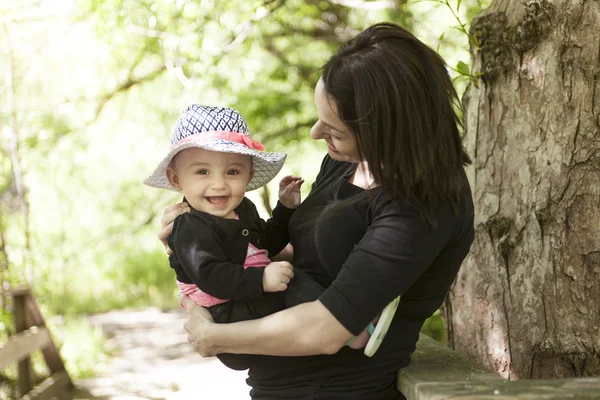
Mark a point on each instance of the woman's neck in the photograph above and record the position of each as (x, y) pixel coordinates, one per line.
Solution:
(362, 177)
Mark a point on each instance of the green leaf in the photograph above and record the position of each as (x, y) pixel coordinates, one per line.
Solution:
(473, 39)
(463, 68)
(458, 6)
(440, 39)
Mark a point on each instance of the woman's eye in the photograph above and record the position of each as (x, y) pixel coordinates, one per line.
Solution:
(335, 134)
(202, 172)
(233, 172)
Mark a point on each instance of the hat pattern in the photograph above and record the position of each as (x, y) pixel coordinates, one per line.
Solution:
(209, 128)
(197, 119)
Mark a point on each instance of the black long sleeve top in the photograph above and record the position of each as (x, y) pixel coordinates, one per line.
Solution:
(210, 251)
(366, 249)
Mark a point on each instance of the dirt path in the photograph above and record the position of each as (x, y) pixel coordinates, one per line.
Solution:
(154, 361)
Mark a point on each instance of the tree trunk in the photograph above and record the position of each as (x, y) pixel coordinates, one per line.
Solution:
(527, 299)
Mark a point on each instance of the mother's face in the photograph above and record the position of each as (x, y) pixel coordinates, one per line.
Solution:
(341, 143)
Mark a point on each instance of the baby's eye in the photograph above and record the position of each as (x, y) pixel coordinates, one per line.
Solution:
(202, 172)
(233, 172)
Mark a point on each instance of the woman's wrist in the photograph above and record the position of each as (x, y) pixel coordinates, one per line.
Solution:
(212, 338)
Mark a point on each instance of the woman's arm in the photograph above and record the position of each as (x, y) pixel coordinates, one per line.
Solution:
(306, 329)
(397, 247)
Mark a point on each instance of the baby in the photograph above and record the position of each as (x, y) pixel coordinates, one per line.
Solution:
(221, 248)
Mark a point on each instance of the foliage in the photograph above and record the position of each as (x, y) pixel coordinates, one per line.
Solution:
(83, 346)
(434, 328)
(91, 93)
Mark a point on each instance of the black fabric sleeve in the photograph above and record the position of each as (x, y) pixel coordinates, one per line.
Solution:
(273, 233)
(397, 248)
(203, 259)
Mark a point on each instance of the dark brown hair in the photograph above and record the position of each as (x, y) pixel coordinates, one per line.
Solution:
(395, 95)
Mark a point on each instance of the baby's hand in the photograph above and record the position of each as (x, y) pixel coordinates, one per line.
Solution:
(289, 191)
(277, 275)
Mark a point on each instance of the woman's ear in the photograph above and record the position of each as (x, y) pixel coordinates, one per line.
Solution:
(173, 179)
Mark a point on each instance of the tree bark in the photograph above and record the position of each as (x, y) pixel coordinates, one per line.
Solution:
(527, 299)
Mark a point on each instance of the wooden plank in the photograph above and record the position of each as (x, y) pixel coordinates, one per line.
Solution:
(50, 387)
(21, 345)
(24, 369)
(19, 290)
(434, 362)
(50, 352)
(547, 389)
(440, 373)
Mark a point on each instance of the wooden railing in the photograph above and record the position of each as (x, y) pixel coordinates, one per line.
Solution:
(440, 373)
(31, 335)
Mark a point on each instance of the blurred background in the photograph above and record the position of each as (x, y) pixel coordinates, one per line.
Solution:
(89, 93)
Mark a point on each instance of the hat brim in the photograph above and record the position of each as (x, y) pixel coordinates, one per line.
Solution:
(266, 165)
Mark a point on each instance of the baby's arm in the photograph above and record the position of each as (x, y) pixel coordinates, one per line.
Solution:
(273, 233)
(202, 258)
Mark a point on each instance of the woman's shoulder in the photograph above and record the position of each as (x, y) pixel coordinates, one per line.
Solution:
(384, 206)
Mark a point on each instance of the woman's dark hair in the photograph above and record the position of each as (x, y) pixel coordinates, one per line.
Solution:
(395, 95)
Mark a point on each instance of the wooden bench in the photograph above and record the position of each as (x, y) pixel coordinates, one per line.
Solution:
(31, 335)
(440, 373)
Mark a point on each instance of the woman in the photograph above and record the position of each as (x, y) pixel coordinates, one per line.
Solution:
(390, 213)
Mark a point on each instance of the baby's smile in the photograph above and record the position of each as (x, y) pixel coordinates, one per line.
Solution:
(218, 201)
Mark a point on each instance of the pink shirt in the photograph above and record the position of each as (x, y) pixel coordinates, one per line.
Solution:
(254, 258)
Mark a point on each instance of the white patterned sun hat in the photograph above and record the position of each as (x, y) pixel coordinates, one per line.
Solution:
(217, 129)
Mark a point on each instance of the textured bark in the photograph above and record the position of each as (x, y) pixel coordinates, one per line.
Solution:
(527, 299)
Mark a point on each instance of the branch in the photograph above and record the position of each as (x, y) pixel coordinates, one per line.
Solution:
(306, 72)
(367, 5)
(245, 27)
(285, 132)
(153, 33)
(3, 270)
(97, 245)
(13, 150)
(322, 31)
(111, 240)
(265, 195)
(128, 84)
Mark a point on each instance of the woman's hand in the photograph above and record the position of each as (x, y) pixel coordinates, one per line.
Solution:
(197, 325)
(166, 222)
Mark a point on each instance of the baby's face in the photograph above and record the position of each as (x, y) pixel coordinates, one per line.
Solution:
(213, 182)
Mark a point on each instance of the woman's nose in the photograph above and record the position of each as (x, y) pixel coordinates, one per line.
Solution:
(316, 132)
